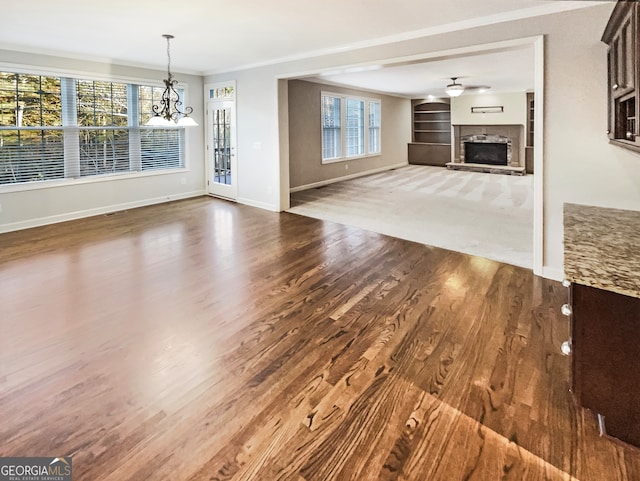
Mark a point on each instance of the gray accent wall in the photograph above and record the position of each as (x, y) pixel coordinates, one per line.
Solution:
(305, 136)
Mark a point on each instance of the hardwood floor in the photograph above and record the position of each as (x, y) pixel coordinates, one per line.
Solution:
(204, 340)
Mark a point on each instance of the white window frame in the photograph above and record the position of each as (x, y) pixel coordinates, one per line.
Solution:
(81, 75)
(343, 127)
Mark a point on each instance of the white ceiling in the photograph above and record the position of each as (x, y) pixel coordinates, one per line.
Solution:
(502, 71)
(222, 35)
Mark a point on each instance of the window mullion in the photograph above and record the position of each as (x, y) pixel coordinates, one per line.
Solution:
(70, 126)
(133, 121)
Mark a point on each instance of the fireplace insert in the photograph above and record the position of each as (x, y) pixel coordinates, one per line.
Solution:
(485, 153)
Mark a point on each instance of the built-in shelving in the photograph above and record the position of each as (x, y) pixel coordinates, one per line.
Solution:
(431, 133)
(528, 150)
(530, 117)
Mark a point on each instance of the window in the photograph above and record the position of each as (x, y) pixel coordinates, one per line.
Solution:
(159, 148)
(228, 92)
(331, 137)
(102, 119)
(355, 127)
(361, 133)
(28, 150)
(54, 128)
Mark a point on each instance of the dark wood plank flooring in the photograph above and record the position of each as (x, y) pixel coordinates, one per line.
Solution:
(204, 340)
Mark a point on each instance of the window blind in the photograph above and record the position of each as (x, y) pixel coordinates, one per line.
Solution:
(161, 149)
(331, 127)
(355, 127)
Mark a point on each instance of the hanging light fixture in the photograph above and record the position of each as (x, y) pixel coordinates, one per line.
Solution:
(168, 113)
(454, 89)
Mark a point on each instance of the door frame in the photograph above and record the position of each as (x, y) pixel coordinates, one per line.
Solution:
(538, 44)
(229, 192)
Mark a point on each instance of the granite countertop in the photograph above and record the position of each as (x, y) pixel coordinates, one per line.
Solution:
(602, 248)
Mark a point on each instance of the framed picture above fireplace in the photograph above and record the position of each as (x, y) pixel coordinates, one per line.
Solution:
(494, 109)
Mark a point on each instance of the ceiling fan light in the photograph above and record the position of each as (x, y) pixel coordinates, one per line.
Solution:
(454, 89)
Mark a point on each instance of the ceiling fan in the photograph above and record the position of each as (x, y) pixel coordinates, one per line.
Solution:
(454, 89)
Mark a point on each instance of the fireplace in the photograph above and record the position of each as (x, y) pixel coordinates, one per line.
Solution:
(496, 149)
(488, 153)
(489, 149)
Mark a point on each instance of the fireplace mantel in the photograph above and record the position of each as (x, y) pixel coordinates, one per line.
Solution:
(511, 134)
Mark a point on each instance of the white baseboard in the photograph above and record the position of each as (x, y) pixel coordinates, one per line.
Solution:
(81, 214)
(346, 177)
(261, 205)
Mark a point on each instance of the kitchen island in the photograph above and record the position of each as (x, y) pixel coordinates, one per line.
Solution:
(602, 264)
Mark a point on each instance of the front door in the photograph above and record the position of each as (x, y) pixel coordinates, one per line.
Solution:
(221, 141)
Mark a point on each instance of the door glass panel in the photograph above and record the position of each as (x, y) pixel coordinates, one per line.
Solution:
(227, 92)
(222, 146)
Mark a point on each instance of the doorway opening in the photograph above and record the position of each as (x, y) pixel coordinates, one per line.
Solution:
(533, 43)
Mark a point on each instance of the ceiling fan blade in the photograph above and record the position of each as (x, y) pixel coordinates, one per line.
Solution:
(476, 87)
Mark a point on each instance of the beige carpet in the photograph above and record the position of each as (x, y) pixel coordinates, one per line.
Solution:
(487, 215)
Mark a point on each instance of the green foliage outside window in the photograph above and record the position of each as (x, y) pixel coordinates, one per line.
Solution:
(30, 101)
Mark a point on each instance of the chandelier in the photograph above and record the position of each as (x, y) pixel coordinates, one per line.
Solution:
(169, 113)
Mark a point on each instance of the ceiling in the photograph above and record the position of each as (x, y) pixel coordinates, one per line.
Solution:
(216, 36)
(509, 70)
(222, 35)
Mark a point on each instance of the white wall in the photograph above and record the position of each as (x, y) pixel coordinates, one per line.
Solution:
(579, 164)
(514, 113)
(22, 207)
(258, 114)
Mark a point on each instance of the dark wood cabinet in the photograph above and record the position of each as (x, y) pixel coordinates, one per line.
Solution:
(431, 133)
(429, 154)
(621, 35)
(605, 339)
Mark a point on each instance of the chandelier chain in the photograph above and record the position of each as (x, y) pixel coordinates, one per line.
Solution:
(168, 54)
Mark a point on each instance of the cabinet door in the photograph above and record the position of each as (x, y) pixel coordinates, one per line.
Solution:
(605, 335)
(621, 35)
(623, 105)
(621, 58)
